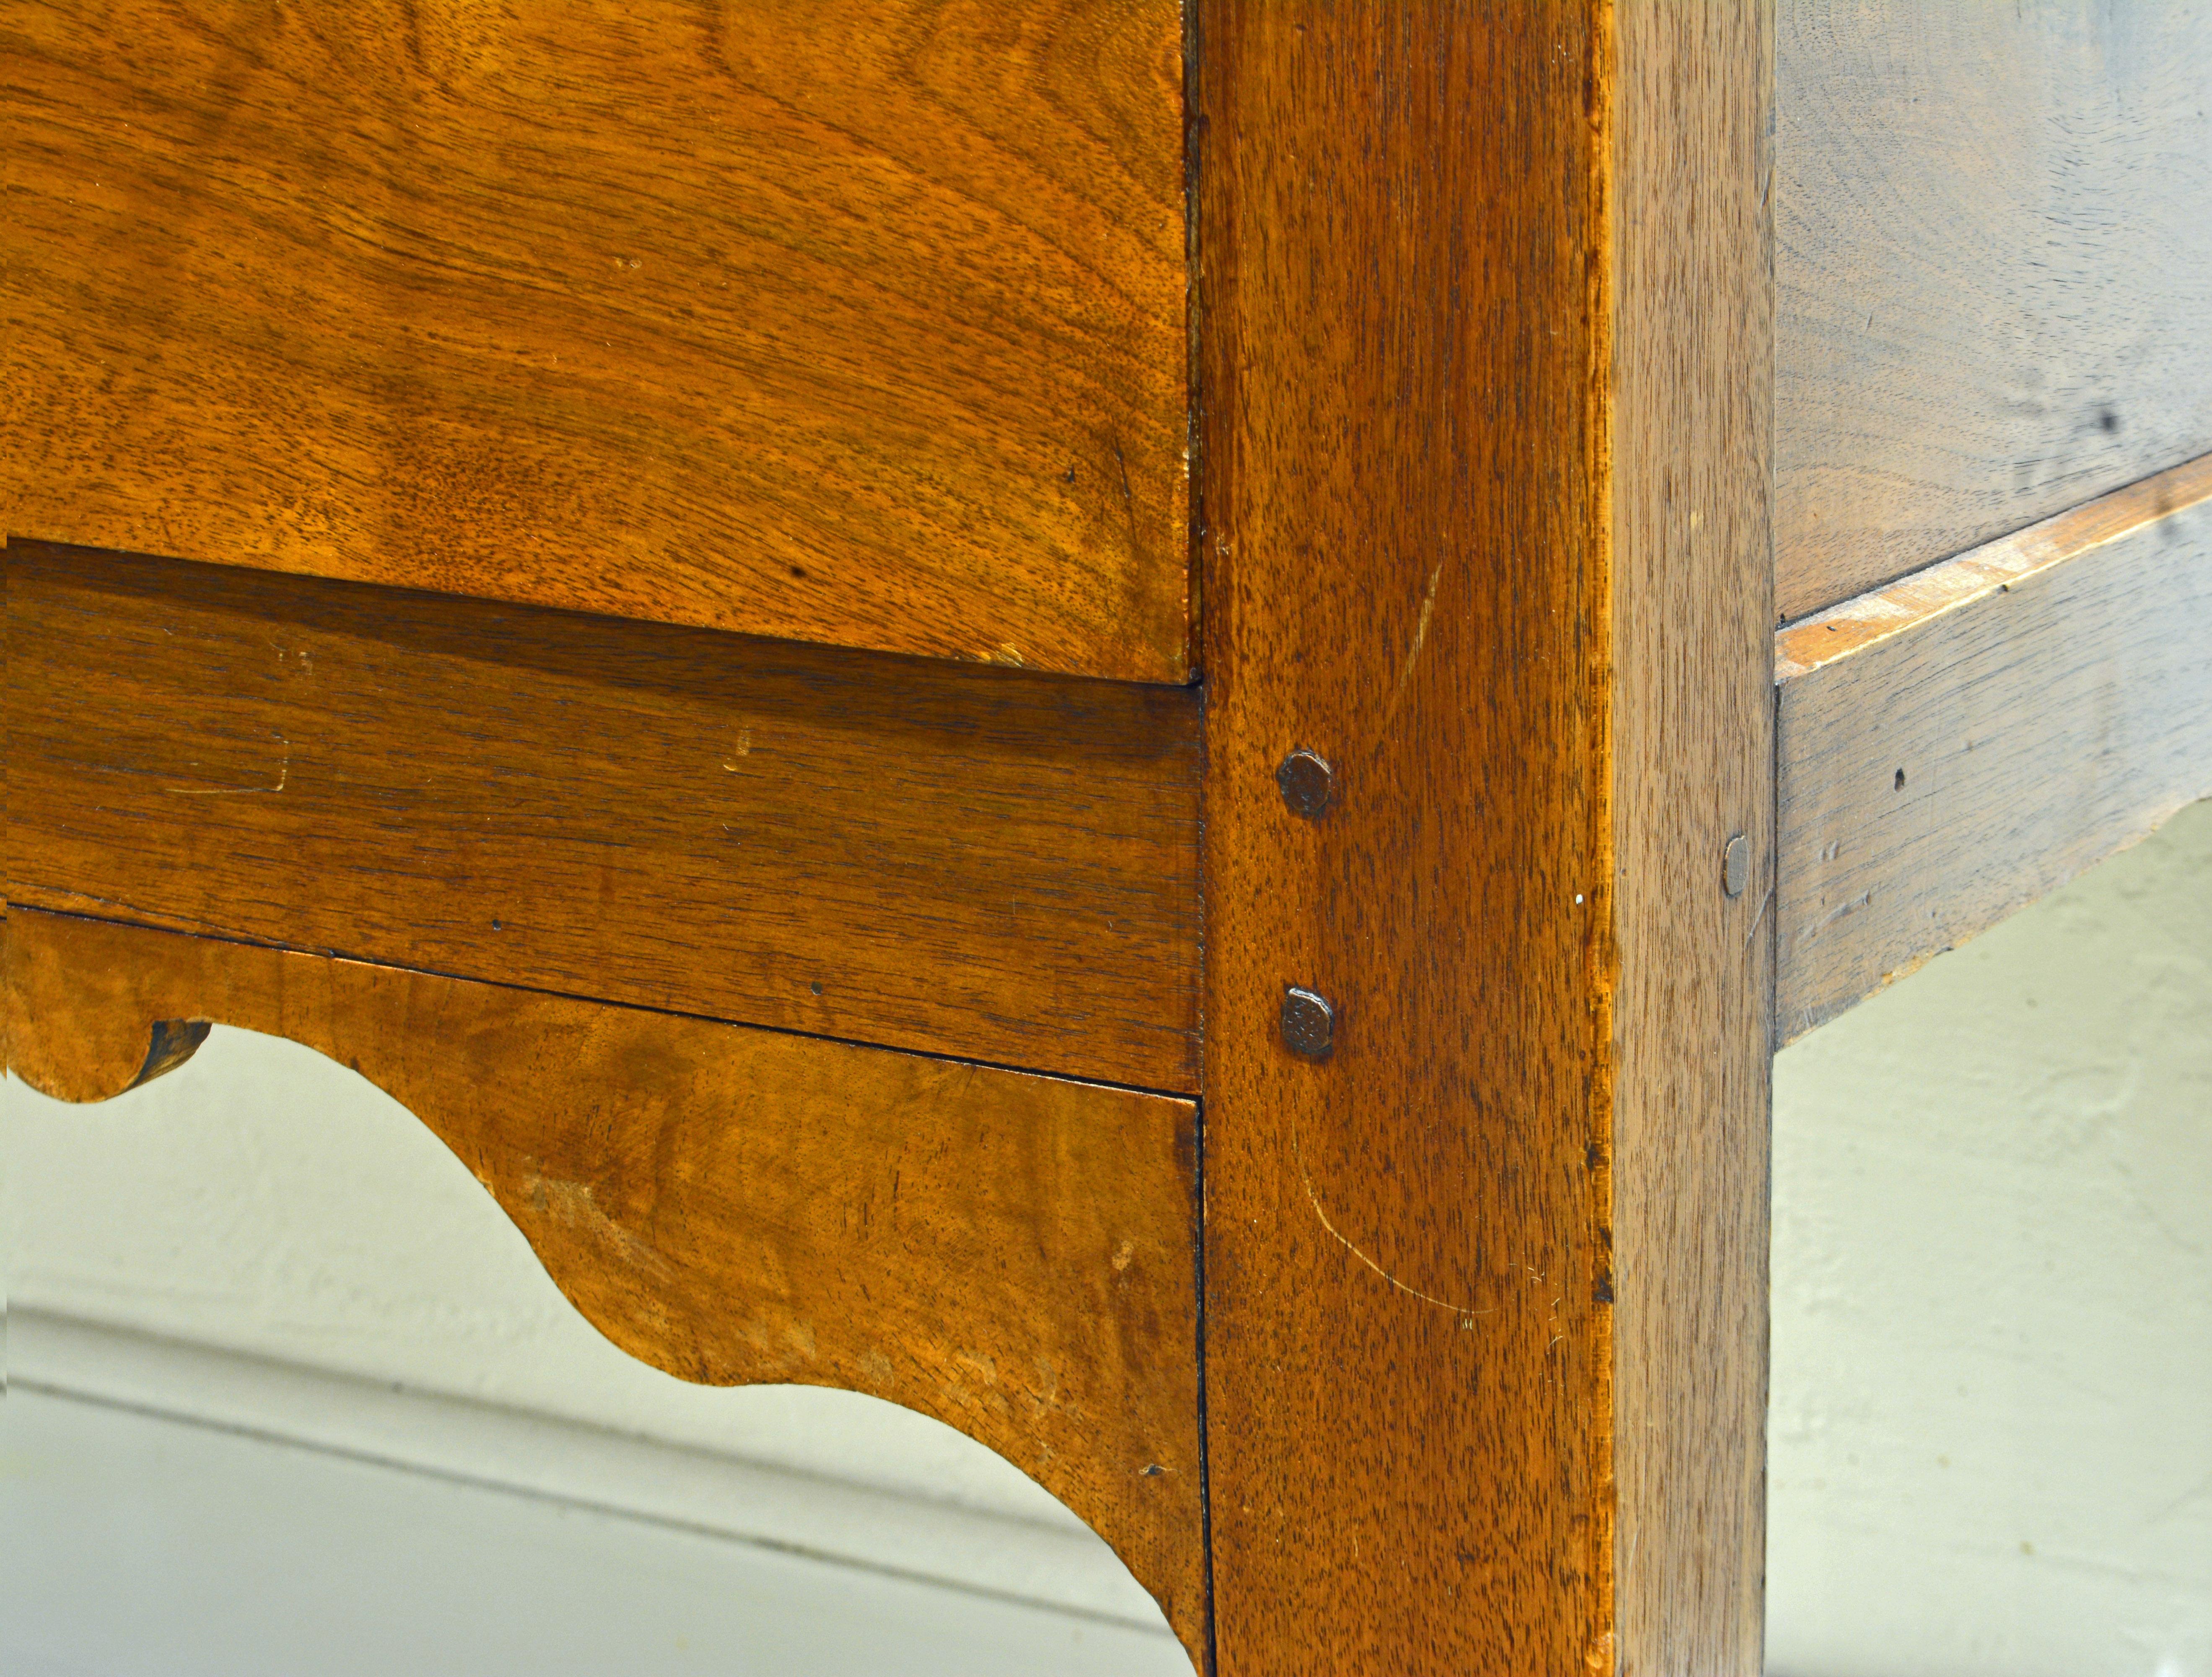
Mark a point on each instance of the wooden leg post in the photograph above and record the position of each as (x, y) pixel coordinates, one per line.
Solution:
(1484, 313)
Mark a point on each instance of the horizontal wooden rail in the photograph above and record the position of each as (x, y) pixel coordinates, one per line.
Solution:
(985, 864)
(1956, 744)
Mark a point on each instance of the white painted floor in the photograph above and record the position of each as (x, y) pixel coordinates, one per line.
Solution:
(133, 1545)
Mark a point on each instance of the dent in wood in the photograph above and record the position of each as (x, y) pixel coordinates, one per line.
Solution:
(1010, 1253)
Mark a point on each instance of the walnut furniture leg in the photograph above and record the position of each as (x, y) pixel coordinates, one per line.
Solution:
(1485, 311)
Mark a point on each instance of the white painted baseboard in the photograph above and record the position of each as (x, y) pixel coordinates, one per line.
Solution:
(537, 1456)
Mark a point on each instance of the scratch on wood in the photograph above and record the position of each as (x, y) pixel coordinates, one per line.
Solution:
(1129, 500)
(1413, 652)
(1421, 631)
(574, 1204)
(1758, 918)
(1313, 1198)
(283, 775)
(1836, 914)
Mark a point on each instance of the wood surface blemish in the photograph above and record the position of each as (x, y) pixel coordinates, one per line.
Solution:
(1912, 601)
(283, 775)
(1314, 1199)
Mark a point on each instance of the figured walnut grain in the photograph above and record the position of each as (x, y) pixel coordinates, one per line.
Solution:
(857, 321)
(1010, 1253)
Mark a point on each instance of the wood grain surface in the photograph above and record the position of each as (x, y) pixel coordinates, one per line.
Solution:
(983, 863)
(1693, 744)
(1011, 1255)
(1993, 265)
(1482, 488)
(857, 321)
(1970, 739)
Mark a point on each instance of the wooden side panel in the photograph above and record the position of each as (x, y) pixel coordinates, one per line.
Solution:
(1694, 768)
(858, 321)
(983, 862)
(1959, 742)
(1011, 1255)
(1993, 267)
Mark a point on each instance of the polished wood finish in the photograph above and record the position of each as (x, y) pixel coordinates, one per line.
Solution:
(1993, 265)
(1956, 745)
(1013, 1255)
(1407, 1447)
(983, 863)
(857, 321)
(1490, 544)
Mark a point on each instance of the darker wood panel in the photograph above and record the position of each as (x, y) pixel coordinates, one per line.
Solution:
(859, 321)
(1694, 768)
(983, 862)
(1993, 265)
(1401, 293)
(1009, 1254)
(1975, 735)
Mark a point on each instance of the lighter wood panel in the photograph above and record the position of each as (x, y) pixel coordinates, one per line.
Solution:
(984, 863)
(1956, 745)
(1013, 1255)
(1692, 744)
(1993, 267)
(850, 320)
